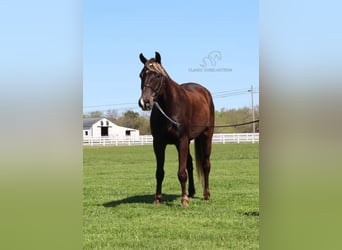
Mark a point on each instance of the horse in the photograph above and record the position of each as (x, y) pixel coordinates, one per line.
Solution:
(179, 114)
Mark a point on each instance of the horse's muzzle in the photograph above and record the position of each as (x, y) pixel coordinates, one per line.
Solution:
(145, 105)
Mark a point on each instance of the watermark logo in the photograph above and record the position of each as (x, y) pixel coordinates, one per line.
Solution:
(211, 63)
(211, 59)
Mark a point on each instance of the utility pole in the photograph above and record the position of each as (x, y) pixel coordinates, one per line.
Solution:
(251, 90)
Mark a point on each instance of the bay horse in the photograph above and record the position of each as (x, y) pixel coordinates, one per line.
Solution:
(179, 114)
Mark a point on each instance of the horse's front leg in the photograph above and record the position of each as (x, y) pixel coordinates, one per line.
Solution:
(159, 151)
(183, 149)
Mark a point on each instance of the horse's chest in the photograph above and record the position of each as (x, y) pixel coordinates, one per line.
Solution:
(167, 131)
(170, 133)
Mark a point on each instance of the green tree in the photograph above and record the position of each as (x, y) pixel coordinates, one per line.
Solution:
(129, 119)
(236, 116)
(94, 114)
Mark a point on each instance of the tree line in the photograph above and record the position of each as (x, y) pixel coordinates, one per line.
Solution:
(223, 117)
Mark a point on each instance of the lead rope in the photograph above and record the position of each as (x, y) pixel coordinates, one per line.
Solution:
(218, 126)
(162, 111)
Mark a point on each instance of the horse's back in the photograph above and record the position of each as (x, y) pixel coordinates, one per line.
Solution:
(202, 103)
(196, 91)
(193, 87)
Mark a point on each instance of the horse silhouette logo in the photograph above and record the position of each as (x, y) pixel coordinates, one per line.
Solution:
(211, 59)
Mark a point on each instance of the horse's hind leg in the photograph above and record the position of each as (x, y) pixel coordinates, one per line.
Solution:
(183, 150)
(190, 168)
(207, 166)
(159, 151)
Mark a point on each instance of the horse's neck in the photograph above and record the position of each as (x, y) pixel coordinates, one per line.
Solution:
(172, 92)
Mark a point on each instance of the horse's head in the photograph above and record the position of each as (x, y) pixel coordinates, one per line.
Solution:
(152, 80)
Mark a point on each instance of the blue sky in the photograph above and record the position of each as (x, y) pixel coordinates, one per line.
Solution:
(184, 33)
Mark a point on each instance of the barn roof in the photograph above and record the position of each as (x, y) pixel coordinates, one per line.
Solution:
(88, 122)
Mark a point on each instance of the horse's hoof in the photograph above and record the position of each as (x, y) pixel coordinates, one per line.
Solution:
(206, 195)
(157, 199)
(185, 201)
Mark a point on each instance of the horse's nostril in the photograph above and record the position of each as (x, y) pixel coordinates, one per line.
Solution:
(141, 103)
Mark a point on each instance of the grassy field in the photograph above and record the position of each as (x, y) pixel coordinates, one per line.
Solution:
(119, 185)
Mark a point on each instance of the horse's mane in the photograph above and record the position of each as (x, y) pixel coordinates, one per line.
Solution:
(156, 67)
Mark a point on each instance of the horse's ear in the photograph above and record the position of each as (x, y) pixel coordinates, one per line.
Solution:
(158, 58)
(142, 58)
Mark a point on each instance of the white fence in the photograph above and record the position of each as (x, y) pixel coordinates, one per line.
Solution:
(148, 140)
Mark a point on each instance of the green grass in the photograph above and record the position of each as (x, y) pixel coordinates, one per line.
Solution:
(119, 186)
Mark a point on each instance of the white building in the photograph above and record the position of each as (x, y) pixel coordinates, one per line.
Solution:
(102, 127)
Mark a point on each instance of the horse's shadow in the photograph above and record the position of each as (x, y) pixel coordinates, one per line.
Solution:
(167, 199)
